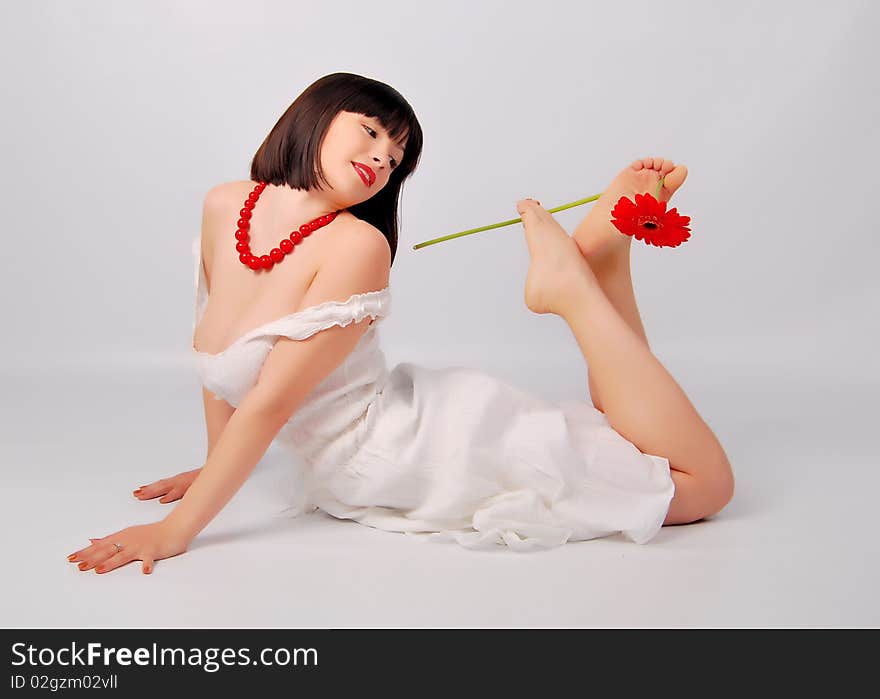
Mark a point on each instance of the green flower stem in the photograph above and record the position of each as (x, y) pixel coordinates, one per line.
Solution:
(505, 223)
(659, 187)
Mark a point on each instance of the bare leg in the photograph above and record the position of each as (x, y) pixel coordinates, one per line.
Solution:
(615, 279)
(607, 251)
(642, 401)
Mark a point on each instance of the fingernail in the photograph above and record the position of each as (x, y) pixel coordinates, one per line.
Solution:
(82, 566)
(99, 570)
(71, 557)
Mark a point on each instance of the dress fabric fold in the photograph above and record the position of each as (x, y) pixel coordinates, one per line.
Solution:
(452, 454)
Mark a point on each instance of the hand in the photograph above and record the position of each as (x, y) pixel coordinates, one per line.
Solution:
(171, 489)
(146, 542)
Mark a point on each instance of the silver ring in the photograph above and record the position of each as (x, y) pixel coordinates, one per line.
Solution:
(118, 546)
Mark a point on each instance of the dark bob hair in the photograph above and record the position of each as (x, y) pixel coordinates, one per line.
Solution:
(290, 153)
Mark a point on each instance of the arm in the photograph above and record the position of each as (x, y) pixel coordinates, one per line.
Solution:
(214, 212)
(291, 371)
(217, 414)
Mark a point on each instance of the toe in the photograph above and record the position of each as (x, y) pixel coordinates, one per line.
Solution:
(675, 178)
(666, 167)
(526, 207)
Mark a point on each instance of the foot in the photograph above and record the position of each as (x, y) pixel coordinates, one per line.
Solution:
(596, 237)
(557, 269)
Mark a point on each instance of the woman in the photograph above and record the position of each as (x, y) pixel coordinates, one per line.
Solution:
(286, 346)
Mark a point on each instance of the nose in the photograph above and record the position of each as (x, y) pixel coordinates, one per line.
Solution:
(382, 162)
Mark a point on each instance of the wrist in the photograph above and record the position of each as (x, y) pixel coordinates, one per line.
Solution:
(176, 529)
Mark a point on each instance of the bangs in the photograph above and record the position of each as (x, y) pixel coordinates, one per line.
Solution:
(397, 118)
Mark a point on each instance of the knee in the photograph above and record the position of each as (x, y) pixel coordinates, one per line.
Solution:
(717, 490)
(722, 493)
(700, 497)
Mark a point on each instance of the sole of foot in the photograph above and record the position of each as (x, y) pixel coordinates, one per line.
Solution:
(596, 237)
(557, 270)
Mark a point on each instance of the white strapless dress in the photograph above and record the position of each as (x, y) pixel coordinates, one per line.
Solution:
(445, 454)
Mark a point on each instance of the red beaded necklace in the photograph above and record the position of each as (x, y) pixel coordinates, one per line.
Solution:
(285, 247)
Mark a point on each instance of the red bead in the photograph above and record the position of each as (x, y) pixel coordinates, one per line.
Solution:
(285, 247)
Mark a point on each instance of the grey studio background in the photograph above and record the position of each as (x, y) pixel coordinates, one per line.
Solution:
(118, 118)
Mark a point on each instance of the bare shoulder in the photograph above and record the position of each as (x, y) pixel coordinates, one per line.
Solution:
(226, 194)
(221, 202)
(354, 259)
(358, 250)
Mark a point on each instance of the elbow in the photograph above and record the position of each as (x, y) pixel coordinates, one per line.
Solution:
(272, 408)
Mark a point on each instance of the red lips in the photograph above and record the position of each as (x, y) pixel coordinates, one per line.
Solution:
(367, 175)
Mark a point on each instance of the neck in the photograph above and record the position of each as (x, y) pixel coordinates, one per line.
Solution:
(281, 210)
(298, 206)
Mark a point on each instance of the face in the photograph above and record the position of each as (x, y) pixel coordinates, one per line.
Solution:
(354, 138)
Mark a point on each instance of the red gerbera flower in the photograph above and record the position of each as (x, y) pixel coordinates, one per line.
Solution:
(649, 220)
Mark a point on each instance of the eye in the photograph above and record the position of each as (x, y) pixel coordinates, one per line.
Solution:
(373, 134)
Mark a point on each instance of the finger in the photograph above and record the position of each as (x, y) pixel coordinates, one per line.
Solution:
(172, 495)
(83, 553)
(96, 554)
(154, 490)
(148, 565)
(87, 561)
(116, 560)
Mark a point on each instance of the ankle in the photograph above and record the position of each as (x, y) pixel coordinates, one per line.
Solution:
(610, 263)
(576, 290)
